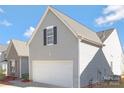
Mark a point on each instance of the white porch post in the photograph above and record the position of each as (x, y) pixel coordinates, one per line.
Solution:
(8, 68)
(30, 65)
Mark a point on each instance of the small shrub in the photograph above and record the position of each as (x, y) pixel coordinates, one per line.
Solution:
(2, 75)
(25, 76)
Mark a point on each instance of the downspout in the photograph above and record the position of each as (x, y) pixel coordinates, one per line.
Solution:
(79, 63)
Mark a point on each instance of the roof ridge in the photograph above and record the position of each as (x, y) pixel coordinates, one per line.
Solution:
(103, 35)
(75, 27)
(106, 30)
(18, 40)
(82, 27)
(71, 18)
(19, 46)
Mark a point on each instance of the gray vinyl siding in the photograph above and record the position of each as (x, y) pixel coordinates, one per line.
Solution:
(24, 62)
(65, 49)
(13, 55)
(24, 65)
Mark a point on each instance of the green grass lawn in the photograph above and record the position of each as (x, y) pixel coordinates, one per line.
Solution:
(108, 85)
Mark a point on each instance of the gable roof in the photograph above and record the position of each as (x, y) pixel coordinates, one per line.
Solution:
(79, 30)
(20, 47)
(103, 35)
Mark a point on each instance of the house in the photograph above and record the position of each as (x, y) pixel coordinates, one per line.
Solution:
(17, 57)
(122, 67)
(3, 61)
(112, 49)
(65, 53)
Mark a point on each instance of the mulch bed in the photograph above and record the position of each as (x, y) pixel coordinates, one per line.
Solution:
(7, 79)
(92, 85)
(5, 82)
(10, 78)
(26, 81)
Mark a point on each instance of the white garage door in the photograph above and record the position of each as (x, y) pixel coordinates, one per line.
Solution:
(53, 72)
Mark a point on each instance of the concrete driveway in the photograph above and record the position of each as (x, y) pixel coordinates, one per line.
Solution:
(18, 83)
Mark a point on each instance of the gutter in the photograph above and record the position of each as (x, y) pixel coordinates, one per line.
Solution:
(85, 40)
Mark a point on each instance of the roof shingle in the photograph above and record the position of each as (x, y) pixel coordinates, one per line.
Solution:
(79, 29)
(103, 35)
(21, 48)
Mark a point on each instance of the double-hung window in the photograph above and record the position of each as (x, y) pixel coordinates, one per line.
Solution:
(50, 35)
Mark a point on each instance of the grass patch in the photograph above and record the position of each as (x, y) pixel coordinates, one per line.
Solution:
(110, 85)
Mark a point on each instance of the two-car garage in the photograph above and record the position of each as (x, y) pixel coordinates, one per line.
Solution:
(53, 72)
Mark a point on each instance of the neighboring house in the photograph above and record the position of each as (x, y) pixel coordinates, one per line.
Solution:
(17, 56)
(112, 49)
(66, 53)
(3, 61)
(122, 67)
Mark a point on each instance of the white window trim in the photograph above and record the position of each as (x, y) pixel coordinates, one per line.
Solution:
(49, 27)
(47, 36)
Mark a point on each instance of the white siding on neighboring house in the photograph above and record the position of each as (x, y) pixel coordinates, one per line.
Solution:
(3, 61)
(122, 64)
(0, 56)
(86, 54)
(2, 52)
(113, 51)
(93, 64)
(0, 59)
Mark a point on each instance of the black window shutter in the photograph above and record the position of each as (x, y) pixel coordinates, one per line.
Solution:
(44, 36)
(55, 35)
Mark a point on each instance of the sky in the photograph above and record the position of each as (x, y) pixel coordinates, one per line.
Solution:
(19, 21)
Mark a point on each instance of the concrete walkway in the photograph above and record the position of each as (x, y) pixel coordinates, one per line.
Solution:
(7, 86)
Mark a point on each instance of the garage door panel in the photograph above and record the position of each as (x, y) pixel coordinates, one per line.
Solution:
(53, 72)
